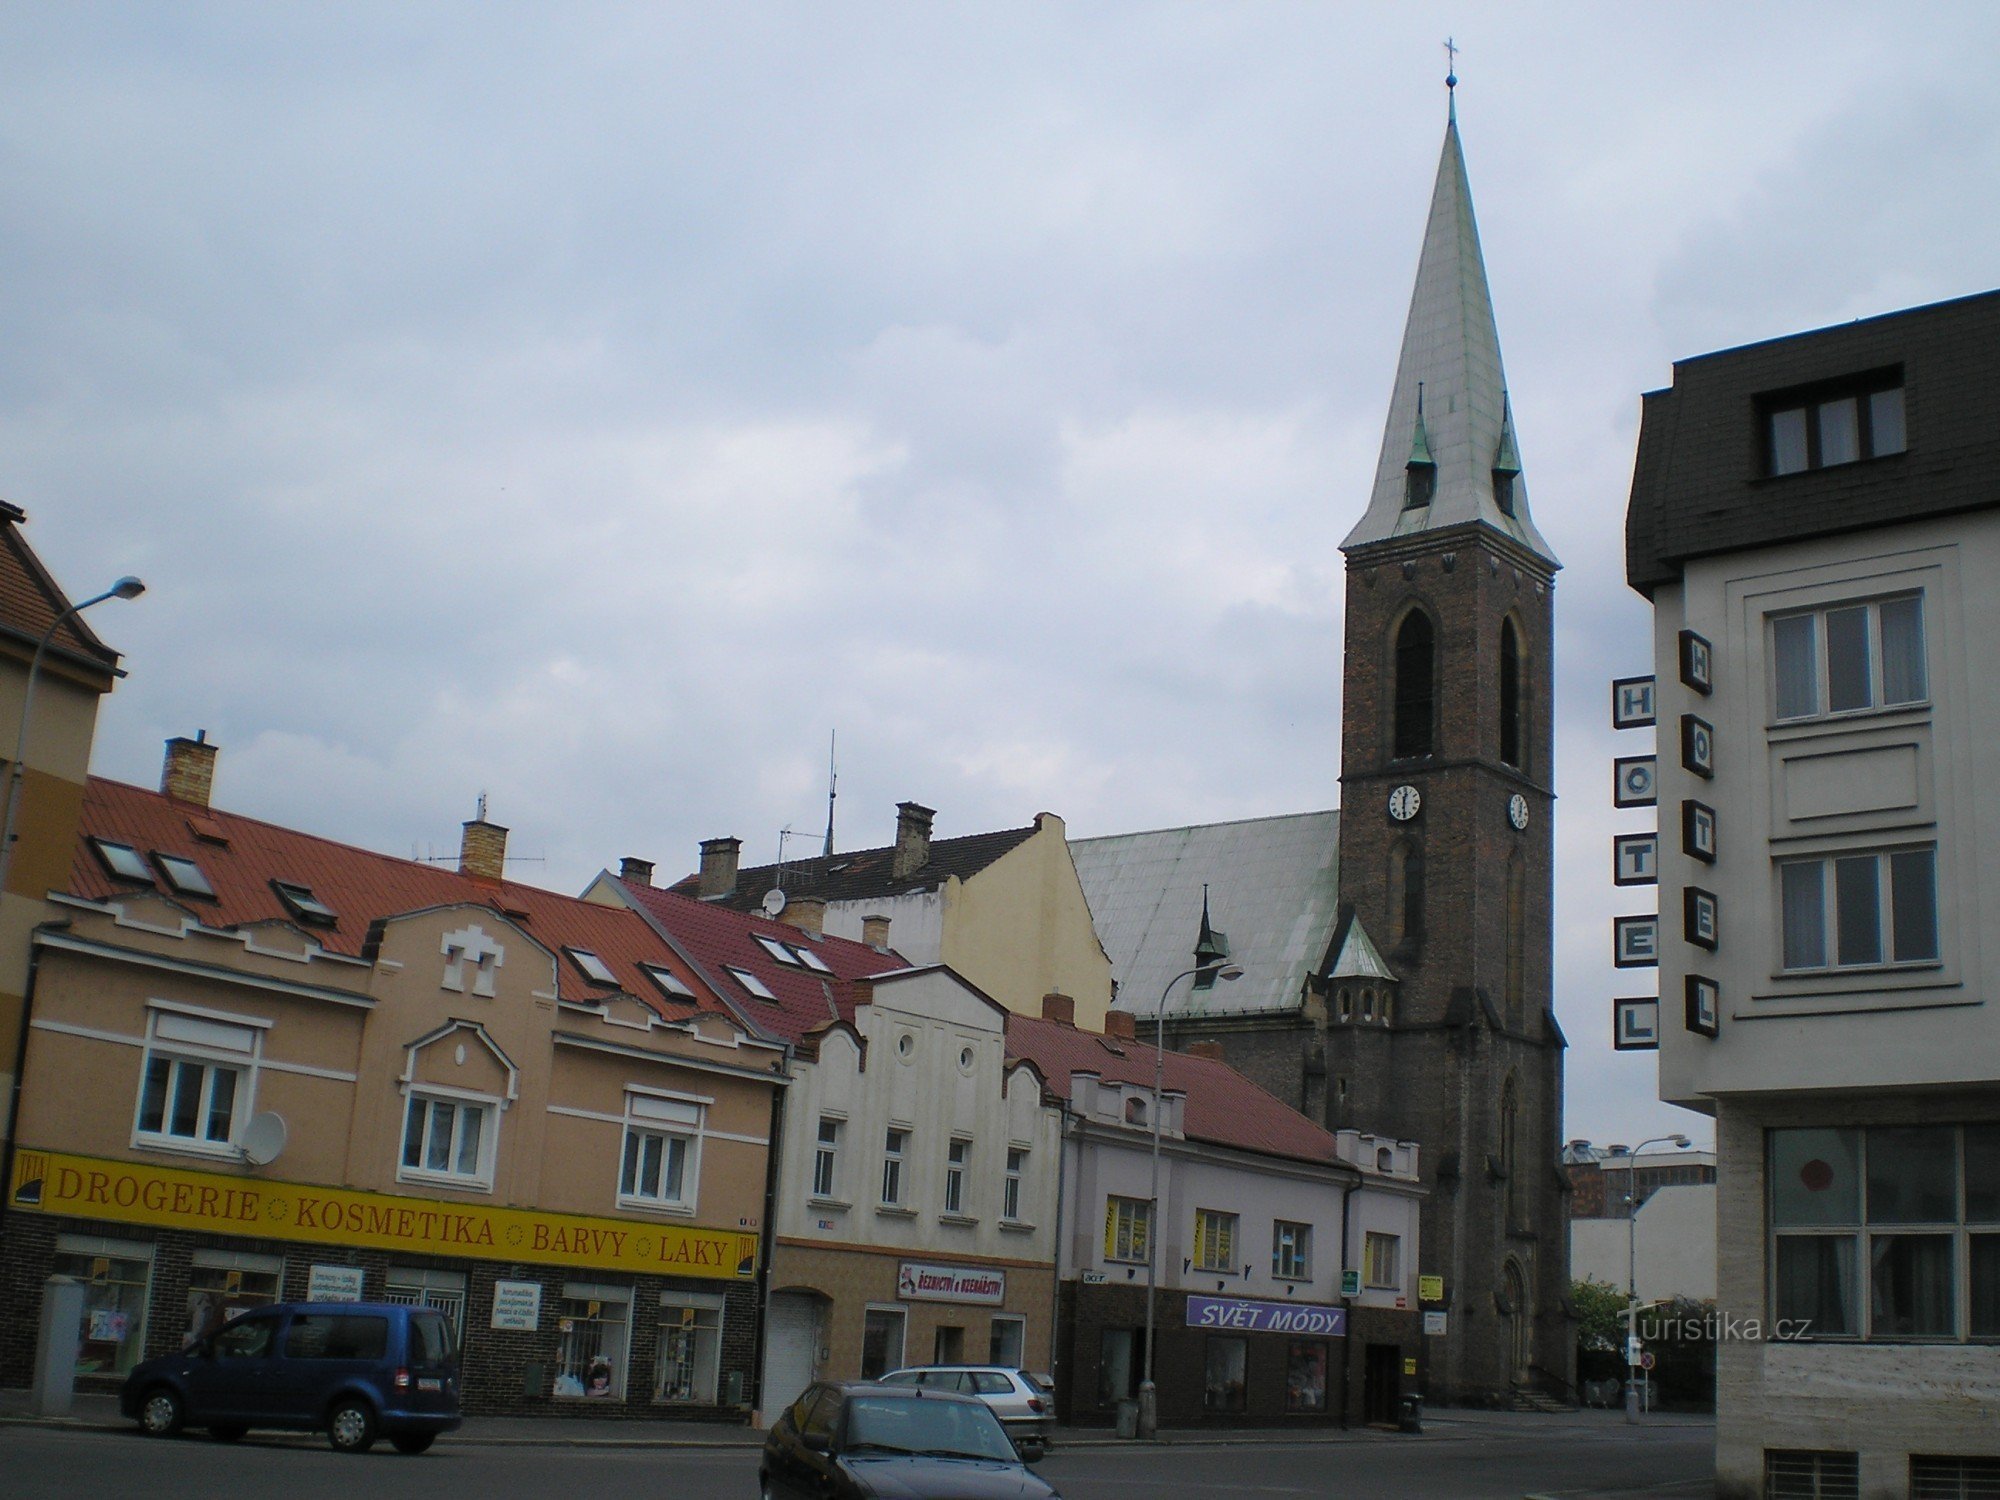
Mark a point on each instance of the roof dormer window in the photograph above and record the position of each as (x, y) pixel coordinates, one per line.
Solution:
(595, 969)
(184, 875)
(1828, 425)
(123, 861)
(669, 982)
(303, 904)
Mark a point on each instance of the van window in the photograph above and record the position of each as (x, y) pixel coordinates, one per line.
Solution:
(430, 1340)
(246, 1338)
(336, 1336)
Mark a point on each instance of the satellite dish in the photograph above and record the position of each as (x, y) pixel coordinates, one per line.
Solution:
(263, 1138)
(774, 901)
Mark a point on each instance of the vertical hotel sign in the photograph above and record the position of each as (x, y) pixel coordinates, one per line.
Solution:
(129, 1192)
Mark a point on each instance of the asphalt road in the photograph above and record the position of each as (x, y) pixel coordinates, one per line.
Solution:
(1458, 1461)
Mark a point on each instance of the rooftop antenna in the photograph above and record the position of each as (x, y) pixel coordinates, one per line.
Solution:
(482, 807)
(1451, 76)
(832, 787)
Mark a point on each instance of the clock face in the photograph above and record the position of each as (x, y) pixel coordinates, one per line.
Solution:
(1517, 810)
(1404, 802)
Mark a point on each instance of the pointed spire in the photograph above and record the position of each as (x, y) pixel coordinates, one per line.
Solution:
(1210, 947)
(1450, 389)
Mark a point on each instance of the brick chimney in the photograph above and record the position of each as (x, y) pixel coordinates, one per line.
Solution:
(807, 913)
(862, 991)
(718, 866)
(482, 851)
(875, 932)
(1211, 1050)
(189, 772)
(1121, 1024)
(635, 871)
(1056, 1006)
(913, 839)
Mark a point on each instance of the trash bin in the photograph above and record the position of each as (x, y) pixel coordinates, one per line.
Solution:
(1410, 1414)
(1128, 1419)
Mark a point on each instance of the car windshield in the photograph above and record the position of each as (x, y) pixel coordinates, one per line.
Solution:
(946, 1429)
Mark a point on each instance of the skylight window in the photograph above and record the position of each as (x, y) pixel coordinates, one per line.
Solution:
(304, 904)
(777, 950)
(750, 982)
(594, 968)
(123, 861)
(813, 961)
(796, 958)
(184, 875)
(668, 981)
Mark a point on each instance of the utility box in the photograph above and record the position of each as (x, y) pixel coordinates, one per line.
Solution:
(57, 1340)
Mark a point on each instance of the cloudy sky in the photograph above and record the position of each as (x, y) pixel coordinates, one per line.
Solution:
(596, 405)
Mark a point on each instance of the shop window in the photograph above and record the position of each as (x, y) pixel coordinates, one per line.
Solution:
(117, 1288)
(690, 1357)
(1006, 1342)
(882, 1330)
(223, 1284)
(442, 1291)
(594, 1323)
(1305, 1376)
(1223, 1378)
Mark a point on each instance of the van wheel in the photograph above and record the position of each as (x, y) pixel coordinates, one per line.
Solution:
(351, 1427)
(228, 1432)
(161, 1412)
(413, 1443)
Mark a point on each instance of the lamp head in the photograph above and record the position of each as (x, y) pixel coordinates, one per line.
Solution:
(1683, 1142)
(128, 587)
(1229, 972)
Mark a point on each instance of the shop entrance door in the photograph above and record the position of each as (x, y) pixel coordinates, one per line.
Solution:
(1381, 1379)
(949, 1348)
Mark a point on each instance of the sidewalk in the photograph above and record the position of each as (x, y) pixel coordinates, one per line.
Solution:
(1443, 1424)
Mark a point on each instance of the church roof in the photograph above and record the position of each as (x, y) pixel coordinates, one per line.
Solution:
(1356, 957)
(1273, 886)
(1449, 409)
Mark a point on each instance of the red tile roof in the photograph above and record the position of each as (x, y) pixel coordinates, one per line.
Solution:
(242, 857)
(30, 599)
(1223, 1107)
(719, 938)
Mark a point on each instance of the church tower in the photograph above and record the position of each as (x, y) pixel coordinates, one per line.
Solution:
(1446, 850)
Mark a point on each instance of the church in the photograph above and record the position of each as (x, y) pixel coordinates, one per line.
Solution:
(1396, 956)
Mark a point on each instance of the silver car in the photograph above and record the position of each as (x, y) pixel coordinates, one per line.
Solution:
(1024, 1402)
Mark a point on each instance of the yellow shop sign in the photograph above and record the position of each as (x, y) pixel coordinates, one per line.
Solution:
(170, 1198)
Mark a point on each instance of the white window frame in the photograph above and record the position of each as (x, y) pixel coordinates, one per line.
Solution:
(1381, 1261)
(672, 1122)
(1788, 622)
(895, 1156)
(826, 1159)
(1828, 866)
(1291, 1244)
(957, 1158)
(1129, 1232)
(1011, 1184)
(215, 1042)
(432, 1095)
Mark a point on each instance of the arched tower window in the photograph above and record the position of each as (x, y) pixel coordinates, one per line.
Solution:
(1406, 893)
(1517, 942)
(1510, 695)
(1510, 1162)
(1416, 686)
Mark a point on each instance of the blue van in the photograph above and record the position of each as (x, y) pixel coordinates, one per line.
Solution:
(354, 1370)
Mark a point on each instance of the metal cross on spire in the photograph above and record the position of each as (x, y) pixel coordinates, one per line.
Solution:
(1450, 63)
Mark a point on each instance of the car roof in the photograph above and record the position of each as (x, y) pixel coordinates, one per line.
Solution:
(899, 1392)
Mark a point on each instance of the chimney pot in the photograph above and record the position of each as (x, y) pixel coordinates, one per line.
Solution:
(807, 913)
(1212, 1050)
(635, 871)
(913, 839)
(1122, 1024)
(718, 867)
(482, 851)
(189, 772)
(1056, 1006)
(875, 932)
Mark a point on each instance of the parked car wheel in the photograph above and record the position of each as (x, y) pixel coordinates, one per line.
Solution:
(413, 1443)
(227, 1432)
(350, 1427)
(161, 1412)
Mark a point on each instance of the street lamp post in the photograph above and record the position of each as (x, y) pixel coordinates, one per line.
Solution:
(1679, 1142)
(125, 588)
(1149, 1403)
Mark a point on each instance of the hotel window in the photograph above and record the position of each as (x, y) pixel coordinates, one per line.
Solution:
(1849, 658)
(1859, 910)
(662, 1160)
(195, 1084)
(690, 1356)
(223, 1284)
(1214, 1240)
(956, 1155)
(447, 1140)
(1872, 1229)
(894, 1143)
(1381, 1260)
(1126, 1222)
(1010, 1187)
(117, 1287)
(826, 1158)
(594, 1322)
(1291, 1251)
(1823, 428)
